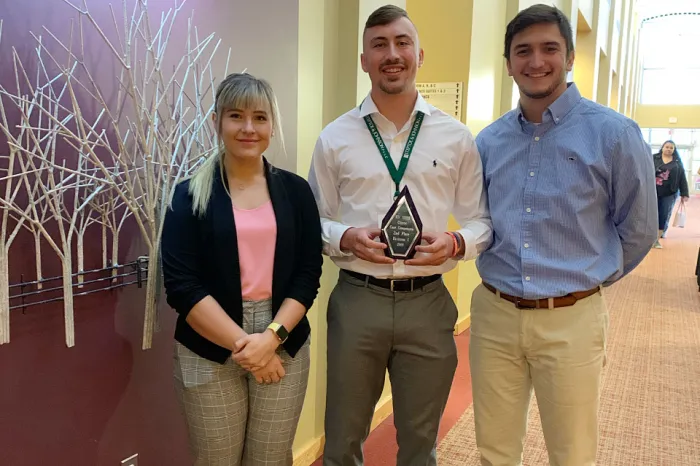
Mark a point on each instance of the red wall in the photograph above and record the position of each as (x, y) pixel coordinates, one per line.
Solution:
(96, 403)
(105, 399)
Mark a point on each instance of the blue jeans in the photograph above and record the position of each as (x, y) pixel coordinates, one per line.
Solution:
(666, 204)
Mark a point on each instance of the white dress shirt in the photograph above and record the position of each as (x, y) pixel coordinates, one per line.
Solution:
(353, 187)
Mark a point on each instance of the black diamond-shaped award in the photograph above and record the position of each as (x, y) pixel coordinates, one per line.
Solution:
(402, 228)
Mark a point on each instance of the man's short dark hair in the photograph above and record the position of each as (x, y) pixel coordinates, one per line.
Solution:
(539, 14)
(385, 15)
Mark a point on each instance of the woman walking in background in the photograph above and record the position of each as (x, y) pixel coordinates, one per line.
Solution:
(242, 261)
(670, 179)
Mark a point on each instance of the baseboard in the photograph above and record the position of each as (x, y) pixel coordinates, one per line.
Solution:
(310, 453)
(314, 450)
(463, 324)
(382, 411)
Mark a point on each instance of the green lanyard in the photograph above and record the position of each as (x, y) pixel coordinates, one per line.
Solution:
(396, 174)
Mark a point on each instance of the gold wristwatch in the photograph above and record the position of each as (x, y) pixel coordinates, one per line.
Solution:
(280, 332)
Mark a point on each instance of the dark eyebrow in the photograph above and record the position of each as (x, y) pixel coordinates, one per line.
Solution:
(378, 38)
(547, 44)
(400, 36)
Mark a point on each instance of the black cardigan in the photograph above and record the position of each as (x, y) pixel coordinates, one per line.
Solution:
(200, 257)
(676, 179)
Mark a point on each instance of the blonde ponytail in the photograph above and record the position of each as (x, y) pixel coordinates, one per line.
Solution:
(202, 183)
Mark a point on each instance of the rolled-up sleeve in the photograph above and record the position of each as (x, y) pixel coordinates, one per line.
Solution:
(633, 199)
(306, 279)
(180, 252)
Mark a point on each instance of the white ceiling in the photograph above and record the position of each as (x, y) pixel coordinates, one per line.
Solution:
(647, 8)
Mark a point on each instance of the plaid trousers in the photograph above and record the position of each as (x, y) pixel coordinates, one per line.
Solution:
(231, 419)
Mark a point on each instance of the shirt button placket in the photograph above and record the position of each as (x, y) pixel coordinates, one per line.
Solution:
(526, 249)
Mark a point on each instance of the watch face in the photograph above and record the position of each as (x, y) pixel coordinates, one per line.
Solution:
(282, 333)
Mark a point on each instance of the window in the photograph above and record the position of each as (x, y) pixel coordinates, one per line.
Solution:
(671, 62)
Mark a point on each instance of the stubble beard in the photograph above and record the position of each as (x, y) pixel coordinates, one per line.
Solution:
(387, 88)
(546, 93)
(390, 87)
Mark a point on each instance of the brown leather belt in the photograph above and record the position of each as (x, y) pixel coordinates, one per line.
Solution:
(543, 303)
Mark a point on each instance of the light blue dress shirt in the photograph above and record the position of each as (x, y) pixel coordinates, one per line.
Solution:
(572, 200)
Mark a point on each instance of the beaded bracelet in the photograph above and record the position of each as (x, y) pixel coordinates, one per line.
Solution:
(455, 243)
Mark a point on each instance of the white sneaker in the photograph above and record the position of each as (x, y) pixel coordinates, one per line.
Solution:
(657, 245)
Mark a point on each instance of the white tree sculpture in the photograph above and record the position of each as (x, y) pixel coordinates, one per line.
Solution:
(86, 217)
(14, 181)
(36, 137)
(112, 213)
(43, 215)
(141, 144)
(60, 189)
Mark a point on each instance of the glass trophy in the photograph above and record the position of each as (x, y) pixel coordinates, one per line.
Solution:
(401, 227)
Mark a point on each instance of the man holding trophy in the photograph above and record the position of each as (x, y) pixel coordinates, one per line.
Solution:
(386, 176)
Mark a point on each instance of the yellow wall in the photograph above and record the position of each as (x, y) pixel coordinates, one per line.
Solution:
(487, 66)
(657, 116)
(607, 60)
(615, 93)
(603, 26)
(630, 70)
(607, 40)
(585, 8)
(313, 67)
(444, 30)
(490, 94)
(622, 66)
(587, 62)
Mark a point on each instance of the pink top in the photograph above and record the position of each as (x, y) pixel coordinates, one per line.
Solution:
(257, 233)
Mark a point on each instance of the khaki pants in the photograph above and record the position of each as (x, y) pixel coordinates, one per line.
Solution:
(560, 353)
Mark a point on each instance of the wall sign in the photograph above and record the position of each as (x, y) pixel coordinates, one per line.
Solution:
(445, 96)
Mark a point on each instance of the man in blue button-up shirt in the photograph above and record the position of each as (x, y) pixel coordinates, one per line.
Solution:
(570, 185)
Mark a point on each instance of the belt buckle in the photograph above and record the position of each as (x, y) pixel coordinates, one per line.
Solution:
(391, 284)
(519, 305)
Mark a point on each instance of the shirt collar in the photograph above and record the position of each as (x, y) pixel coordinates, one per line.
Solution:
(368, 107)
(560, 107)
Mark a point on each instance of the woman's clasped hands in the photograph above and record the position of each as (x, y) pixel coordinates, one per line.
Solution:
(257, 354)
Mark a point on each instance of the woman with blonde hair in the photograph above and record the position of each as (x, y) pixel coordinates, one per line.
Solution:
(242, 261)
